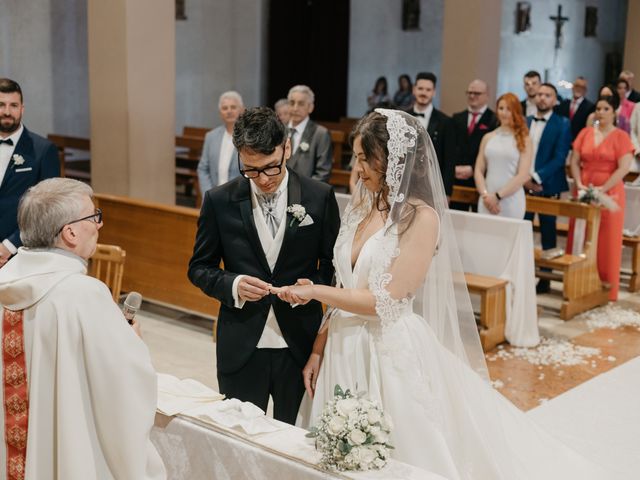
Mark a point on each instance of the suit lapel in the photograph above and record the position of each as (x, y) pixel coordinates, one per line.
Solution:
(243, 197)
(548, 131)
(306, 137)
(293, 197)
(24, 148)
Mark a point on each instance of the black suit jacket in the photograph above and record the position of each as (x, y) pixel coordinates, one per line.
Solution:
(40, 162)
(634, 96)
(227, 233)
(440, 129)
(466, 145)
(579, 120)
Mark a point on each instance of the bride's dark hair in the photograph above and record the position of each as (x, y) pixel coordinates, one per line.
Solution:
(374, 136)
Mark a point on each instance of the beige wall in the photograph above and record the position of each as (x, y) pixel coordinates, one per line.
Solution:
(470, 49)
(132, 97)
(632, 41)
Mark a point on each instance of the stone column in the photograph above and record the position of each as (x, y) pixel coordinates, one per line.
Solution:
(470, 49)
(632, 42)
(132, 97)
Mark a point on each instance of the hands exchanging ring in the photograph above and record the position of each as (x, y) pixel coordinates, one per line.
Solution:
(299, 294)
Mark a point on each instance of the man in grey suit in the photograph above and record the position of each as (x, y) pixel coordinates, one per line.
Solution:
(218, 162)
(312, 150)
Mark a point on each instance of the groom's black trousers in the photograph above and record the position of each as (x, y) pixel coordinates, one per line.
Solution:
(269, 371)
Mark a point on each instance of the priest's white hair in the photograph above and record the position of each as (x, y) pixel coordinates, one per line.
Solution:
(46, 207)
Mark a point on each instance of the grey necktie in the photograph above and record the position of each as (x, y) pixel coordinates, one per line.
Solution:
(268, 202)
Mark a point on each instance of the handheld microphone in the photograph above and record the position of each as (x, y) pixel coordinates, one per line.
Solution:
(131, 306)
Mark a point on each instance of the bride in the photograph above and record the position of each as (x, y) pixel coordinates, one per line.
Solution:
(402, 330)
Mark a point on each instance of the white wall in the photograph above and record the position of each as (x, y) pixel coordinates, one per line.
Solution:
(578, 56)
(379, 47)
(221, 46)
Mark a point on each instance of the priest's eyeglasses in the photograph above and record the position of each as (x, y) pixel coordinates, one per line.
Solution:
(95, 218)
(269, 171)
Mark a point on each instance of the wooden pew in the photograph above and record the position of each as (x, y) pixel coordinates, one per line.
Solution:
(159, 242)
(197, 132)
(187, 165)
(64, 142)
(339, 175)
(493, 307)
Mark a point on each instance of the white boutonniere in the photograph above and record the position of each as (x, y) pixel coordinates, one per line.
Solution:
(304, 146)
(18, 159)
(298, 213)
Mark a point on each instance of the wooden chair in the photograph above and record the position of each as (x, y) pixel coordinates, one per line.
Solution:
(107, 264)
(198, 132)
(493, 307)
(187, 165)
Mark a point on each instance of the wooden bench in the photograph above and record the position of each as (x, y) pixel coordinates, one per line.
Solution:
(187, 165)
(493, 307)
(582, 288)
(197, 132)
(65, 142)
(339, 175)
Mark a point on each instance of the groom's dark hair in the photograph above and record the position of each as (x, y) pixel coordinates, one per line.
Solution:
(260, 130)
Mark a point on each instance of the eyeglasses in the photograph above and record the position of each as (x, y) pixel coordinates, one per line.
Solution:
(95, 218)
(270, 171)
(474, 94)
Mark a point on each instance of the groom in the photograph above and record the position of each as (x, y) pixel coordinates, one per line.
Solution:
(270, 227)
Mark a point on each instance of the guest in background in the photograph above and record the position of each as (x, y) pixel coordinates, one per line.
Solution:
(379, 95)
(601, 157)
(25, 159)
(282, 110)
(85, 375)
(312, 150)
(550, 135)
(578, 109)
(531, 82)
(505, 158)
(470, 126)
(403, 98)
(437, 124)
(635, 136)
(217, 164)
(626, 106)
(632, 95)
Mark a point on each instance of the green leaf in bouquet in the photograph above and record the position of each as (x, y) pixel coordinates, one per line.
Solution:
(369, 440)
(337, 391)
(344, 447)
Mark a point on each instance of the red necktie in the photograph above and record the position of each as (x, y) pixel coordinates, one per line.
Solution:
(572, 110)
(472, 125)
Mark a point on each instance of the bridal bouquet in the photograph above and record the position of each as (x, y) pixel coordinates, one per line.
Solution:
(596, 197)
(352, 433)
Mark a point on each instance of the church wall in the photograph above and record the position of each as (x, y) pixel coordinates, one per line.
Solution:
(379, 47)
(534, 50)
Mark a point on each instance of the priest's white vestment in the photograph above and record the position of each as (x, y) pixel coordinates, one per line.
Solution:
(91, 385)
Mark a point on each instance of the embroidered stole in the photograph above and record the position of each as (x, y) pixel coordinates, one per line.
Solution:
(16, 401)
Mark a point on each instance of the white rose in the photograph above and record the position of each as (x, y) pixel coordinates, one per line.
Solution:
(304, 146)
(358, 437)
(379, 463)
(373, 416)
(336, 424)
(367, 455)
(346, 406)
(386, 423)
(380, 437)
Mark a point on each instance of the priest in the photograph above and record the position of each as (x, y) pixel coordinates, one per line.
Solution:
(78, 390)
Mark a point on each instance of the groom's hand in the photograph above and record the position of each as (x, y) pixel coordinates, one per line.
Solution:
(310, 373)
(252, 289)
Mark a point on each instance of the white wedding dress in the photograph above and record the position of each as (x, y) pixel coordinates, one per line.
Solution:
(446, 418)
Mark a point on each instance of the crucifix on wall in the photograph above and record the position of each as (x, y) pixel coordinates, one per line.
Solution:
(559, 21)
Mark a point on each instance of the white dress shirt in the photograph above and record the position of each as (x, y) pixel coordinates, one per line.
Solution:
(427, 115)
(296, 134)
(531, 109)
(6, 152)
(535, 133)
(224, 160)
(271, 335)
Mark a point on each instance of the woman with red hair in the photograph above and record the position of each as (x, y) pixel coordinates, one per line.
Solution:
(504, 161)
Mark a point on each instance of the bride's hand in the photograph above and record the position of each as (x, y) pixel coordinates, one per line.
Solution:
(310, 373)
(294, 294)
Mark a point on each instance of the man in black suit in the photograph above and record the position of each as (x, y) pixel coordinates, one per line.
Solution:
(270, 226)
(469, 127)
(632, 95)
(531, 82)
(25, 159)
(437, 124)
(578, 109)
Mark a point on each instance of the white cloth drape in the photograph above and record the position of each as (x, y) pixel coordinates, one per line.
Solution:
(503, 247)
(632, 210)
